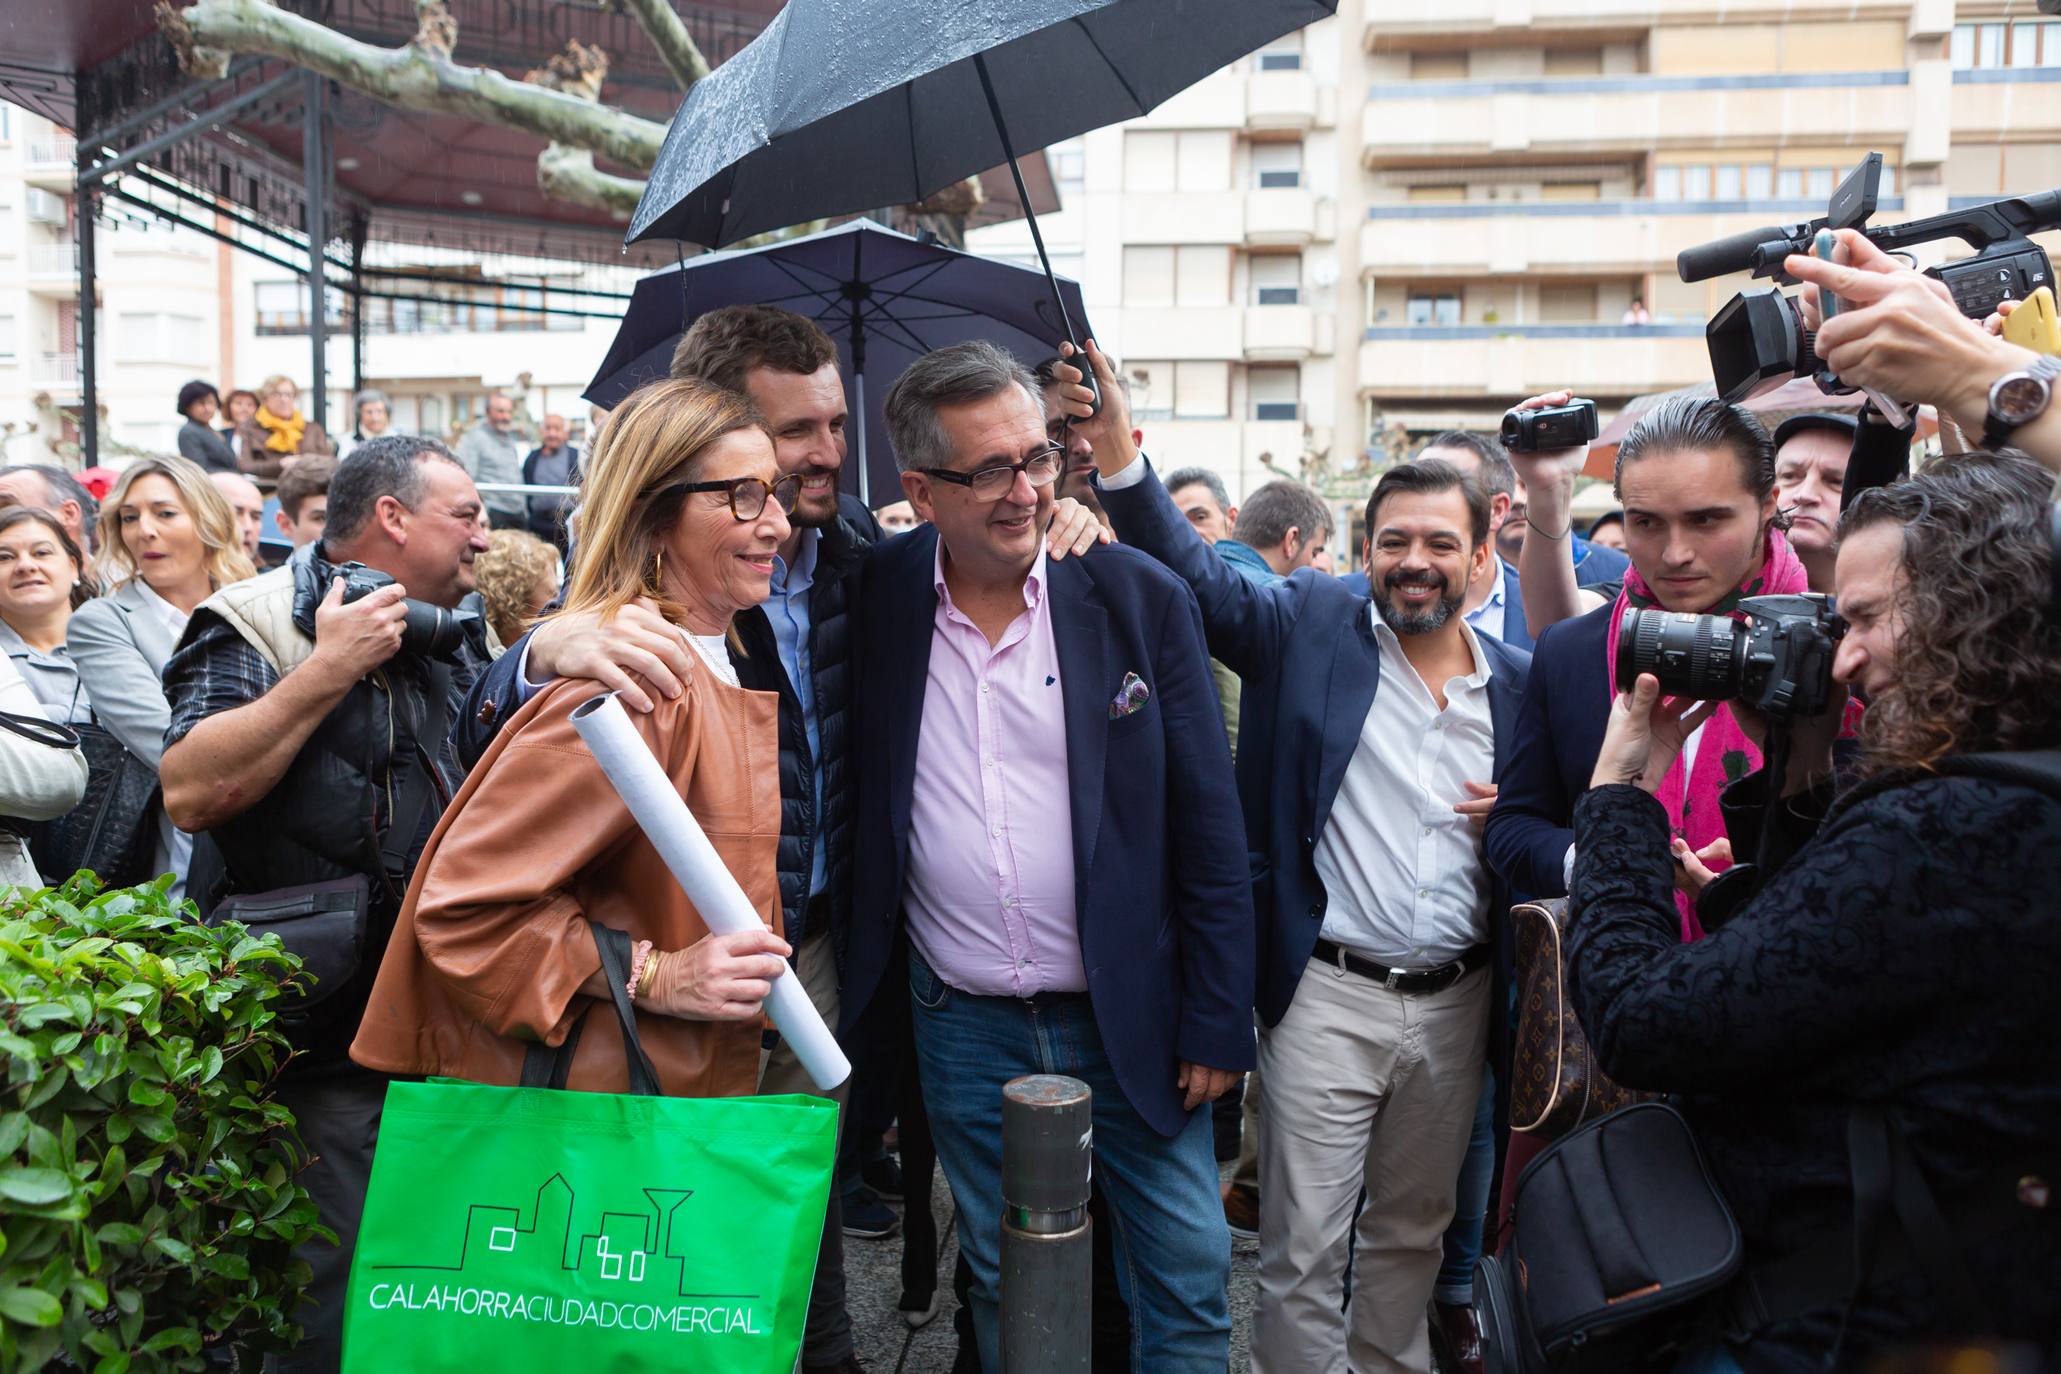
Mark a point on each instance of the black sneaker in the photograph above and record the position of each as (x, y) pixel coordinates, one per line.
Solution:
(866, 1216)
(883, 1176)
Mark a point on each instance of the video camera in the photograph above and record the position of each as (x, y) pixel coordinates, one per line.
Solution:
(1779, 661)
(1757, 340)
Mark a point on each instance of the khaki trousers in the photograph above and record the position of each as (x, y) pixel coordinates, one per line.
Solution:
(1370, 1088)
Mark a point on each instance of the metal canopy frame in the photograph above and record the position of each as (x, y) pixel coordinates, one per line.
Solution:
(146, 134)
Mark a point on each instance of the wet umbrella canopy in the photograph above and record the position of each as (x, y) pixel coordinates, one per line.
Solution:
(843, 106)
(884, 298)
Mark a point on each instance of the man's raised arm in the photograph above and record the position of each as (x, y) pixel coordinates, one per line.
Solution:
(1246, 624)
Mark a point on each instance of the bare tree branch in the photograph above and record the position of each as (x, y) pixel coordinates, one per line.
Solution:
(569, 174)
(676, 47)
(420, 76)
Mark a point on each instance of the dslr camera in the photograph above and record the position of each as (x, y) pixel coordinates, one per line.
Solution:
(1778, 661)
(430, 631)
(1757, 340)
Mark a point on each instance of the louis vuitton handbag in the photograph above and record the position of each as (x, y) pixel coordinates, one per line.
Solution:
(1555, 1082)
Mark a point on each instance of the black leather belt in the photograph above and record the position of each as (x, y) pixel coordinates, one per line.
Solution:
(1404, 980)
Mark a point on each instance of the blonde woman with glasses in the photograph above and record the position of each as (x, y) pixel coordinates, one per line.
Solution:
(492, 951)
(168, 541)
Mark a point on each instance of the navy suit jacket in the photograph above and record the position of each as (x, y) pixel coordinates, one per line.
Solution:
(1559, 733)
(1160, 893)
(1306, 653)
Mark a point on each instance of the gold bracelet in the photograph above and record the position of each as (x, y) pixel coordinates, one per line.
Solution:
(644, 984)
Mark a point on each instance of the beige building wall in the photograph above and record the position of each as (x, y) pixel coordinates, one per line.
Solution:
(1527, 167)
(1207, 239)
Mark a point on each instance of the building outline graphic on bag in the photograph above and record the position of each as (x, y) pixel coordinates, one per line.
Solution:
(623, 1246)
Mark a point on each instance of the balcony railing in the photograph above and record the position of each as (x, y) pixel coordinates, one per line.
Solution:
(55, 369)
(53, 259)
(53, 152)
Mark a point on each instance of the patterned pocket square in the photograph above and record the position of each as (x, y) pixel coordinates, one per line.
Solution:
(1130, 697)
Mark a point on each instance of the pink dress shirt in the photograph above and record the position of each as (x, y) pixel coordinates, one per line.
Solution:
(990, 890)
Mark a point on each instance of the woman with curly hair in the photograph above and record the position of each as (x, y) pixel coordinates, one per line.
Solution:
(1903, 953)
(517, 578)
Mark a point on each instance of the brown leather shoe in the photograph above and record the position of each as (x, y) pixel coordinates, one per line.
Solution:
(1241, 1211)
(1455, 1338)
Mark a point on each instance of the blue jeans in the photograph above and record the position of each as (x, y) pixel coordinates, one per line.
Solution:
(1470, 1204)
(1172, 1248)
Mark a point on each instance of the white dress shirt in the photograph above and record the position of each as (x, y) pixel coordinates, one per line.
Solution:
(1403, 875)
(1491, 617)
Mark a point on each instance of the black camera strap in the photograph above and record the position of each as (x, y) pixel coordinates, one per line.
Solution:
(419, 784)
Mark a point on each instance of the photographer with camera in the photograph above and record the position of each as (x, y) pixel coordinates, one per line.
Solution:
(1890, 984)
(310, 738)
(1697, 481)
(1901, 333)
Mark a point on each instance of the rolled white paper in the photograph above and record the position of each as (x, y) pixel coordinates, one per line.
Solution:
(670, 826)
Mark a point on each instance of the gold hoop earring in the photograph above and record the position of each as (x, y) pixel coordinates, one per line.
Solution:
(658, 571)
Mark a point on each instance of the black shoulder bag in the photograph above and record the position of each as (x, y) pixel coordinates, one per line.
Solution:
(329, 924)
(113, 829)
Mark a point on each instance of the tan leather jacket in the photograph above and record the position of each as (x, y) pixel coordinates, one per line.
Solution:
(492, 943)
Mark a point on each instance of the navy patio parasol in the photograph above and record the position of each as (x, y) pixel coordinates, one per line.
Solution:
(884, 298)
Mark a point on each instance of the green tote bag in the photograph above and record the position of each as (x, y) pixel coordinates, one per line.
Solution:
(531, 1228)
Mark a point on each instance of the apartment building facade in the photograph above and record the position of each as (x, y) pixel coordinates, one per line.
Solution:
(158, 309)
(1485, 189)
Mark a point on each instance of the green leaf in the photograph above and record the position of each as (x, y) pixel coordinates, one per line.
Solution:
(146, 1094)
(14, 1129)
(210, 1063)
(36, 1187)
(173, 1248)
(120, 1233)
(229, 1265)
(180, 1337)
(117, 1363)
(157, 1126)
(30, 1307)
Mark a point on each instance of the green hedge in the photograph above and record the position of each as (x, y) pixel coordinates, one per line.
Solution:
(147, 1196)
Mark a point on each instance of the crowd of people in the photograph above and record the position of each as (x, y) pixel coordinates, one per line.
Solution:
(1067, 763)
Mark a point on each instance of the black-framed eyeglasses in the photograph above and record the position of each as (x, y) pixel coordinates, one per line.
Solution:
(992, 484)
(748, 495)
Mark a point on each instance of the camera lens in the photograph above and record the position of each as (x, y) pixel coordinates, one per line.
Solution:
(1700, 656)
(429, 630)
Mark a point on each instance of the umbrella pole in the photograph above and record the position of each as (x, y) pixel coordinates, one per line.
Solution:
(1030, 217)
(865, 477)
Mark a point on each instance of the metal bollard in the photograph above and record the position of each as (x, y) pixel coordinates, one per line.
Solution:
(1047, 1250)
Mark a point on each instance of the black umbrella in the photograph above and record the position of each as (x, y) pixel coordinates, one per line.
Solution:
(886, 298)
(843, 105)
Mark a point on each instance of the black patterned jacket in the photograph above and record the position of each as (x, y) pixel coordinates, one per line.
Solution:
(1907, 955)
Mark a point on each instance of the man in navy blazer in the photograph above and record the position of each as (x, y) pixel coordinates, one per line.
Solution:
(1384, 947)
(1048, 855)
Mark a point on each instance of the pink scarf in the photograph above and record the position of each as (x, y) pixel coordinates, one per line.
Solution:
(1723, 753)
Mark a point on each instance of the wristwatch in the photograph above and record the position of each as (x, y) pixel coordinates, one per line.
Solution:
(2018, 398)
